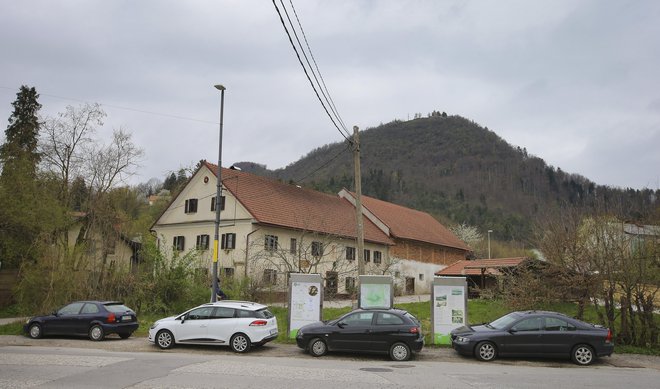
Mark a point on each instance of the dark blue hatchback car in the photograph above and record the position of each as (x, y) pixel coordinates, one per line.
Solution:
(95, 319)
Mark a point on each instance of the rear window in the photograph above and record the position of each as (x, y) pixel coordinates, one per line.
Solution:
(117, 308)
(414, 319)
(264, 314)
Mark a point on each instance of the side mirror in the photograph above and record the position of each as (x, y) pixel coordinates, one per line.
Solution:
(54, 313)
(512, 330)
(341, 324)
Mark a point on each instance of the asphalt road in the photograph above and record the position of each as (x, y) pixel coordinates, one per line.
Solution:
(134, 363)
(63, 367)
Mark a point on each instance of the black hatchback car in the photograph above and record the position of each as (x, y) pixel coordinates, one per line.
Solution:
(392, 331)
(95, 319)
(534, 334)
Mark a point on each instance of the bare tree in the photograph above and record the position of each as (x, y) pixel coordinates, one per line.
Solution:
(65, 140)
(113, 163)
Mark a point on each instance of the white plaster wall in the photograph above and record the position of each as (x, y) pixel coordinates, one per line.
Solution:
(408, 268)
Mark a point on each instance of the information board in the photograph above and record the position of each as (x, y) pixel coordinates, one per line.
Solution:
(305, 301)
(449, 307)
(376, 292)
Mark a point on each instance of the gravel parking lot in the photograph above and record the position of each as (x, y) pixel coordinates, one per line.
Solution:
(140, 344)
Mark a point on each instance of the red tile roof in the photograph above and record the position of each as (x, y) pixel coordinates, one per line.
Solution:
(406, 223)
(473, 268)
(275, 203)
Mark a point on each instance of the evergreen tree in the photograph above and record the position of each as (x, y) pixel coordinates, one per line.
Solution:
(22, 133)
(20, 199)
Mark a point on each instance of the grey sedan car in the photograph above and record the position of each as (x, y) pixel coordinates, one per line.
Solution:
(534, 334)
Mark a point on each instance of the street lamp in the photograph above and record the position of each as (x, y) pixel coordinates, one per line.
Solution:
(218, 195)
(489, 231)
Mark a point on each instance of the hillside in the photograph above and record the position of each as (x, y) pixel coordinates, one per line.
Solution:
(460, 172)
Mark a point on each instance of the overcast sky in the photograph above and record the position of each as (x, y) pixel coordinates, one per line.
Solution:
(575, 82)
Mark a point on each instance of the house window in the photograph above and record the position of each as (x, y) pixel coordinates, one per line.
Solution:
(350, 253)
(202, 242)
(222, 203)
(350, 284)
(377, 257)
(191, 206)
(367, 255)
(270, 276)
(229, 272)
(421, 277)
(317, 249)
(293, 248)
(270, 243)
(228, 241)
(179, 243)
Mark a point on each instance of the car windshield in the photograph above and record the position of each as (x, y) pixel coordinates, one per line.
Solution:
(117, 308)
(504, 321)
(264, 314)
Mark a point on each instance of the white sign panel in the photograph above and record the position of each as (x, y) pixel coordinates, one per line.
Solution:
(305, 305)
(375, 295)
(449, 311)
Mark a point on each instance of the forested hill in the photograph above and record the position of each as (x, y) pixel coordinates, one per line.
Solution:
(459, 172)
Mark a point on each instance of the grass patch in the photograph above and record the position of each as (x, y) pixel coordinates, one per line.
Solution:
(625, 349)
(9, 311)
(12, 328)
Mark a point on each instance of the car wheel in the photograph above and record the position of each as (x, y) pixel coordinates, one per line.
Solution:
(125, 335)
(400, 352)
(96, 333)
(240, 343)
(485, 351)
(35, 331)
(583, 355)
(164, 339)
(317, 347)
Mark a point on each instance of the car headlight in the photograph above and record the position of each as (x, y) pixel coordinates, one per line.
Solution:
(462, 339)
(154, 325)
(27, 321)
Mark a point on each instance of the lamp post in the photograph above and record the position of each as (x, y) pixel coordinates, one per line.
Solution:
(218, 195)
(489, 231)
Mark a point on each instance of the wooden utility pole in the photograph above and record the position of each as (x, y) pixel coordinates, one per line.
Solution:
(358, 200)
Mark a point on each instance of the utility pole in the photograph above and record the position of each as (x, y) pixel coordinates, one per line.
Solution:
(358, 200)
(218, 197)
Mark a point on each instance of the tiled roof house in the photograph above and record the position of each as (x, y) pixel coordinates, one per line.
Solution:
(421, 243)
(269, 228)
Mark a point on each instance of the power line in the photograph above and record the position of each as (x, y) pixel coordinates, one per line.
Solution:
(348, 146)
(123, 108)
(307, 73)
(332, 103)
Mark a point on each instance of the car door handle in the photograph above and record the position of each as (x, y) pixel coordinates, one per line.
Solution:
(202, 326)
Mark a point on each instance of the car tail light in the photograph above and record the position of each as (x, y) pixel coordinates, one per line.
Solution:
(414, 330)
(259, 323)
(111, 318)
(608, 338)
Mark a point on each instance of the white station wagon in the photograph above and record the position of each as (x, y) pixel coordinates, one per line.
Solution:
(239, 324)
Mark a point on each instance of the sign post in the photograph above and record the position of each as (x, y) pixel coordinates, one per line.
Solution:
(449, 307)
(305, 301)
(376, 292)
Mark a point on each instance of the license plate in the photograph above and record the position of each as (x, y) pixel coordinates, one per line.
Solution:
(273, 331)
(126, 318)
